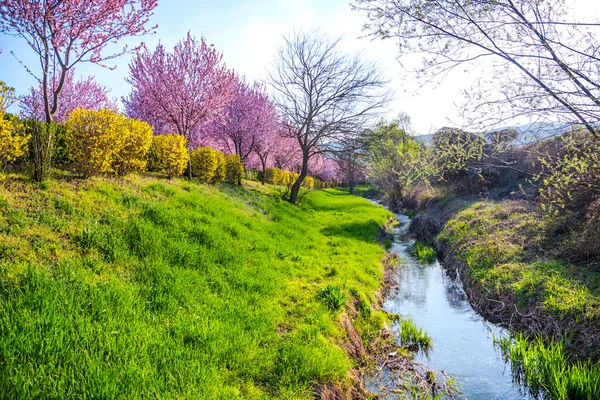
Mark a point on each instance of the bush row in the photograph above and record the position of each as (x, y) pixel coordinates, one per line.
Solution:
(94, 142)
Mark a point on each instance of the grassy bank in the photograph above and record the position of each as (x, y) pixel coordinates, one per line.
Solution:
(148, 288)
(513, 278)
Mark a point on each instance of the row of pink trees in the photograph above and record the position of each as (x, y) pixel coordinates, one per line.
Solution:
(190, 91)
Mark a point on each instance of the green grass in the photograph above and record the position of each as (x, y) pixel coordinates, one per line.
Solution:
(412, 336)
(424, 253)
(500, 243)
(146, 288)
(544, 369)
(497, 241)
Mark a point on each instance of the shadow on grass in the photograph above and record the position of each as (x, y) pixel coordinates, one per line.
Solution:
(365, 231)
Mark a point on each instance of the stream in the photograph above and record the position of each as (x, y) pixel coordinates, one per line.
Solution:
(463, 345)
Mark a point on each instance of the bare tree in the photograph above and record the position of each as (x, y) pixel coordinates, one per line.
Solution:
(546, 62)
(327, 97)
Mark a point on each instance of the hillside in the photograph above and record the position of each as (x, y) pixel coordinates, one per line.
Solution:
(145, 288)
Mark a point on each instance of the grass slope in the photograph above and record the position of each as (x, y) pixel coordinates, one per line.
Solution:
(513, 280)
(148, 288)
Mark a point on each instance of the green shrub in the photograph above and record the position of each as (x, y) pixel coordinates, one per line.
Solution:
(274, 176)
(61, 156)
(333, 297)
(169, 154)
(252, 175)
(422, 252)
(234, 169)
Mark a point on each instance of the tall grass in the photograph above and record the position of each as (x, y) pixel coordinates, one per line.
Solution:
(546, 371)
(422, 252)
(412, 336)
(151, 289)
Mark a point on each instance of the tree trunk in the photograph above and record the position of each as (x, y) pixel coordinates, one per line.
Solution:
(296, 186)
(264, 169)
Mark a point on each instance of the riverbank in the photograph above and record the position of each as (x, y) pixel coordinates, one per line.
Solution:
(512, 277)
(145, 287)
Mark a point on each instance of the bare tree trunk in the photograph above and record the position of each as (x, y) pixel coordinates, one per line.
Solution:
(296, 186)
(264, 170)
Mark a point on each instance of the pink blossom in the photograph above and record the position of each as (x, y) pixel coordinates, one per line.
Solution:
(86, 94)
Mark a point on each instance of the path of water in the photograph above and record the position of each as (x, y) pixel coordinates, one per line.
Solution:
(462, 340)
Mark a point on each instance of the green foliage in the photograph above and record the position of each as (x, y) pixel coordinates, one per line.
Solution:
(7, 96)
(208, 165)
(61, 157)
(570, 175)
(147, 288)
(412, 336)
(169, 154)
(333, 297)
(395, 163)
(423, 252)
(234, 169)
(41, 146)
(455, 151)
(547, 372)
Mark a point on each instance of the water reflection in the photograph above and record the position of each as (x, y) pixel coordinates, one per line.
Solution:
(463, 341)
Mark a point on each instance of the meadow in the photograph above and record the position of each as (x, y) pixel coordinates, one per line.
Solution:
(146, 288)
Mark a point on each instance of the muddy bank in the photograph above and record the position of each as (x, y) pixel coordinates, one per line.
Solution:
(380, 358)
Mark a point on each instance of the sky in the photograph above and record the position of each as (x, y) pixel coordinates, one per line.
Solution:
(250, 32)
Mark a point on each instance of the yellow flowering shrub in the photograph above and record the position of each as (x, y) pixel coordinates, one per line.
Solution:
(171, 153)
(12, 145)
(309, 182)
(208, 165)
(94, 138)
(137, 141)
(234, 168)
(274, 176)
(221, 171)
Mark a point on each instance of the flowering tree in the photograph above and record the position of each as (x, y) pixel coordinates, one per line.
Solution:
(64, 33)
(86, 94)
(267, 147)
(248, 118)
(179, 91)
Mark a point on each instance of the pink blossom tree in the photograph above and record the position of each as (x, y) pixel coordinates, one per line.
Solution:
(268, 146)
(64, 33)
(247, 119)
(85, 93)
(180, 91)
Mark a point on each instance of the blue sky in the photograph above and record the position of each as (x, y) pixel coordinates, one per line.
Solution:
(249, 33)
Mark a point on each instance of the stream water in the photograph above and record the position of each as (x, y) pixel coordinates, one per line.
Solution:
(462, 340)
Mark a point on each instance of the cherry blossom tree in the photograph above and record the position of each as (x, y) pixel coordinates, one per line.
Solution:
(64, 33)
(248, 118)
(268, 146)
(180, 91)
(85, 93)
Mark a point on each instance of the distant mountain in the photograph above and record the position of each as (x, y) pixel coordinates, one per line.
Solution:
(528, 133)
